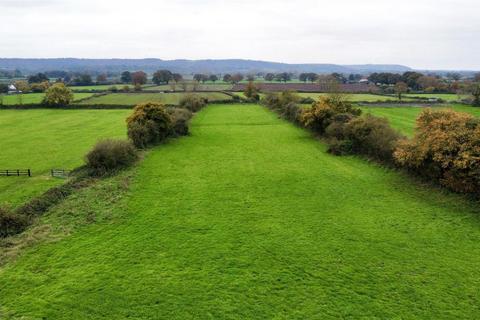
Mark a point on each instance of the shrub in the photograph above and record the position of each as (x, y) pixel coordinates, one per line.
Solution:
(322, 113)
(39, 87)
(110, 155)
(138, 87)
(251, 91)
(58, 95)
(180, 121)
(307, 100)
(11, 223)
(113, 89)
(369, 135)
(150, 123)
(193, 103)
(445, 148)
(292, 112)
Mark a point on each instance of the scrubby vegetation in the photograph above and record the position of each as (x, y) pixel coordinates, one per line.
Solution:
(58, 95)
(11, 223)
(149, 124)
(193, 103)
(110, 155)
(445, 148)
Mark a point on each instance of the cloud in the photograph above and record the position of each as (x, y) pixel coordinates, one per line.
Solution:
(439, 34)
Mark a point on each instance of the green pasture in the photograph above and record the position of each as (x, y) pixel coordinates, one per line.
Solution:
(403, 117)
(135, 98)
(34, 98)
(250, 218)
(200, 87)
(45, 139)
(444, 96)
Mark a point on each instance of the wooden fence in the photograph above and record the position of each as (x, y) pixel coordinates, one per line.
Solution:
(60, 173)
(16, 173)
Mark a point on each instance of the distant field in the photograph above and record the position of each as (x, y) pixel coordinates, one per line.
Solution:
(201, 87)
(99, 87)
(30, 98)
(134, 98)
(443, 96)
(355, 97)
(44, 139)
(403, 118)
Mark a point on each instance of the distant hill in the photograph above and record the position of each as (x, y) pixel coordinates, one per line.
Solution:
(186, 66)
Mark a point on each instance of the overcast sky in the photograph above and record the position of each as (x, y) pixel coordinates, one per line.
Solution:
(433, 34)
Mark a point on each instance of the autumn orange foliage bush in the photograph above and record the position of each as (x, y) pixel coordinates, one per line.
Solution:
(446, 148)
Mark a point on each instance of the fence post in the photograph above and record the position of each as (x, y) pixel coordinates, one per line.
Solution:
(29, 173)
(18, 173)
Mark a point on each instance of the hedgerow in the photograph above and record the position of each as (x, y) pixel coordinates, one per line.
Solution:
(446, 149)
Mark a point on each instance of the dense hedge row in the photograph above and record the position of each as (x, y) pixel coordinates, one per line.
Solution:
(445, 148)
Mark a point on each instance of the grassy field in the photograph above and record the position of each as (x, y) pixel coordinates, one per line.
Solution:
(443, 96)
(403, 118)
(355, 97)
(32, 98)
(250, 218)
(134, 98)
(99, 87)
(46, 139)
(205, 87)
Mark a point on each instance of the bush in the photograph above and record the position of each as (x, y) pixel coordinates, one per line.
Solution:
(446, 149)
(180, 121)
(278, 101)
(292, 112)
(11, 223)
(110, 155)
(58, 95)
(113, 89)
(322, 113)
(307, 100)
(369, 135)
(193, 103)
(150, 123)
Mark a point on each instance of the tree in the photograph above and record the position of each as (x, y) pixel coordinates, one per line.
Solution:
(21, 86)
(177, 77)
(411, 79)
(184, 85)
(269, 77)
(236, 78)
(58, 95)
(213, 78)
(200, 77)
(126, 77)
(3, 89)
(474, 89)
(83, 80)
(39, 77)
(162, 76)
(40, 87)
(430, 84)
(101, 78)
(477, 77)
(139, 78)
(303, 77)
(251, 91)
(227, 77)
(284, 76)
(455, 76)
(400, 88)
(250, 77)
(340, 77)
